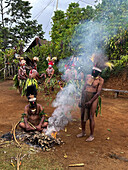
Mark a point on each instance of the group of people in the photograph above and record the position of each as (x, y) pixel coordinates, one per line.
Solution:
(24, 79)
(34, 117)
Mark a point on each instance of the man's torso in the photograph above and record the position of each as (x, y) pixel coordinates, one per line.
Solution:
(92, 83)
(33, 115)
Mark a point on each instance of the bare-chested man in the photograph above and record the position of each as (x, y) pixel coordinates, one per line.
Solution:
(34, 117)
(22, 76)
(50, 73)
(50, 79)
(89, 101)
(34, 74)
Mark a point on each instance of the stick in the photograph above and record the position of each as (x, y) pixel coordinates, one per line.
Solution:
(31, 125)
(18, 162)
(118, 157)
(6, 142)
(14, 135)
(2, 69)
(76, 165)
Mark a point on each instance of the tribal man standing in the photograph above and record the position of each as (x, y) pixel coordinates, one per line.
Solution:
(91, 93)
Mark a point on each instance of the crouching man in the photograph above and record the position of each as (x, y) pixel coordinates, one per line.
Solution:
(34, 117)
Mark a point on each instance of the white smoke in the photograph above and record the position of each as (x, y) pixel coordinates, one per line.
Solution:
(88, 39)
(64, 103)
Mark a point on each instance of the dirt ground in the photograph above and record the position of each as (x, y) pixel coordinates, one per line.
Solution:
(111, 130)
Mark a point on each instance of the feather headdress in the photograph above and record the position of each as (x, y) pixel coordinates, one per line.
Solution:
(35, 59)
(100, 61)
(50, 60)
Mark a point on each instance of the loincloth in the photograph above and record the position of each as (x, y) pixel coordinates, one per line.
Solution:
(86, 97)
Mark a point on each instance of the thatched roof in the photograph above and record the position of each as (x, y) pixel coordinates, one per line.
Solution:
(35, 41)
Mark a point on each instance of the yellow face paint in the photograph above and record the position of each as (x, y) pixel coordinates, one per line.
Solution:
(90, 81)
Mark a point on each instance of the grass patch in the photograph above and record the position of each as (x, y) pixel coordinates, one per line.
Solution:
(12, 88)
(34, 159)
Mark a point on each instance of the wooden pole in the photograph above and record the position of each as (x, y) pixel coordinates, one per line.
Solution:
(57, 5)
(4, 67)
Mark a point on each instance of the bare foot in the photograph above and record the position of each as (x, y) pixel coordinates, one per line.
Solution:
(91, 138)
(81, 135)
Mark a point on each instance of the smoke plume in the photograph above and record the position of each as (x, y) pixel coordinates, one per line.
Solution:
(89, 38)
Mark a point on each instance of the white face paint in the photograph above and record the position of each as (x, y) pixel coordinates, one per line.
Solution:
(50, 66)
(33, 110)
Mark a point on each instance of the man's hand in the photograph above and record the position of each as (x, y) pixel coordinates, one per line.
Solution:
(38, 128)
(88, 104)
(29, 128)
(43, 75)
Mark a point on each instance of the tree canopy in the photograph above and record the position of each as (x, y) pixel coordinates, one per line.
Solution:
(16, 23)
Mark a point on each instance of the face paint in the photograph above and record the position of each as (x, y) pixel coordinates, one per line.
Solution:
(50, 66)
(33, 104)
(95, 73)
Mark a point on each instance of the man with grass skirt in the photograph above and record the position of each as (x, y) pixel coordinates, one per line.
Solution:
(89, 101)
(50, 79)
(34, 74)
(22, 76)
(34, 117)
(90, 98)
(33, 78)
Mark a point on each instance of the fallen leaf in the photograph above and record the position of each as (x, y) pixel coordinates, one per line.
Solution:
(68, 135)
(32, 150)
(65, 156)
(108, 138)
(65, 129)
(91, 152)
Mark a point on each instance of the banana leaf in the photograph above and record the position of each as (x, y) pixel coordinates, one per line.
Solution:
(98, 109)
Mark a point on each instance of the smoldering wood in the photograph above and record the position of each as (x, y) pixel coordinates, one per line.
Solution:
(37, 139)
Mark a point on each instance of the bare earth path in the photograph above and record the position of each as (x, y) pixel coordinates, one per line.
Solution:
(95, 155)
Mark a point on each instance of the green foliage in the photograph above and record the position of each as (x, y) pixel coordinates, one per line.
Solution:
(117, 46)
(106, 73)
(16, 23)
(119, 66)
(64, 27)
(69, 32)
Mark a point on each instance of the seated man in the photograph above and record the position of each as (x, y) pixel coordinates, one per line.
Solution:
(34, 117)
(31, 90)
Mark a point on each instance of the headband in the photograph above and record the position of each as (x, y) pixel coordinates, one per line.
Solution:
(32, 100)
(96, 68)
